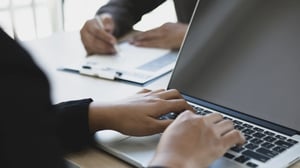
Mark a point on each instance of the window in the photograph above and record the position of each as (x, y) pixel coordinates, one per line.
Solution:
(31, 19)
(25, 19)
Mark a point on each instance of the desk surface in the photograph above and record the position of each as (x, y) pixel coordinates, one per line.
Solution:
(65, 48)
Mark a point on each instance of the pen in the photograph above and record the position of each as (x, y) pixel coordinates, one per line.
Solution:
(100, 24)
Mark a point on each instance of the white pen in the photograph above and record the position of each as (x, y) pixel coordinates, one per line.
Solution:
(100, 24)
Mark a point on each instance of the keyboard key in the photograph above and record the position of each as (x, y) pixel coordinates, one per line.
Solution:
(172, 115)
(227, 118)
(169, 116)
(248, 131)
(198, 108)
(269, 133)
(237, 122)
(237, 149)
(280, 137)
(248, 137)
(252, 165)
(200, 113)
(256, 141)
(247, 125)
(259, 135)
(238, 127)
(283, 144)
(256, 156)
(242, 159)
(229, 156)
(207, 112)
(267, 152)
(267, 145)
(270, 139)
(163, 117)
(251, 146)
(278, 149)
(292, 141)
(258, 129)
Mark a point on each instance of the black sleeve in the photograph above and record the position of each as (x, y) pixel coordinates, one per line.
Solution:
(184, 10)
(72, 124)
(27, 125)
(32, 135)
(128, 12)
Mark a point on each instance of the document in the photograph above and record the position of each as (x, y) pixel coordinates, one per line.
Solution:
(133, 64)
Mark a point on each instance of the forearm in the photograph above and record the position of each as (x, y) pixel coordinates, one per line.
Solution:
(126, 13)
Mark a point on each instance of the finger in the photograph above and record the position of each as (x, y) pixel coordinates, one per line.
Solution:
(187, 115)
(85, 40)
(170, 94)
(213, 118)
(144, 91)
(150, 34)
(232, 138)
(158, 91)
(161, 125)
(179, 106)
(97, 46)
(154, 43)
(103, 35)
(224, 126)
(175, 105)
(150, 92)
(100, 33)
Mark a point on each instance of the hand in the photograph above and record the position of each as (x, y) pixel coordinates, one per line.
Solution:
(137, 115)
(194, 141)
(97, 40)
(168, 36)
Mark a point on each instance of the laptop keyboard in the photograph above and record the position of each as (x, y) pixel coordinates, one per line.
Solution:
(261, 144)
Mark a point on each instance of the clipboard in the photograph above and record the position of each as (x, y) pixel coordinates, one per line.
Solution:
(132, 64)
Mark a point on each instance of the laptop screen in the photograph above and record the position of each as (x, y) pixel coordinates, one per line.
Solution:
(244, 55)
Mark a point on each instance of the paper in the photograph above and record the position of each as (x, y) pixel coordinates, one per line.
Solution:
(131, 63)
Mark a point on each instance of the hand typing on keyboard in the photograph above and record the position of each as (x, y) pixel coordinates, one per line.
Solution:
(198, 139)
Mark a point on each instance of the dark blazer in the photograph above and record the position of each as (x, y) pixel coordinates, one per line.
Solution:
(35, 133)
(128, 12)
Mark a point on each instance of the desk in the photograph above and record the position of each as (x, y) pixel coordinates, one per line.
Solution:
(66, 48)
(63, 48)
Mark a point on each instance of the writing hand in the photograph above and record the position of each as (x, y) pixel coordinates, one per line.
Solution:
(96, 39)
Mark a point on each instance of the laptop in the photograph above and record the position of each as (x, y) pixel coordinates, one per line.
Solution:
(133, 64)
(240, 58)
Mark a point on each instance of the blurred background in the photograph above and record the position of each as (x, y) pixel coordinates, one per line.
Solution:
(33, 19)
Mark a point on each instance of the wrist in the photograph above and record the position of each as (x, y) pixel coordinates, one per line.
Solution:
(172, 160)
(100, 117)
(166, 161)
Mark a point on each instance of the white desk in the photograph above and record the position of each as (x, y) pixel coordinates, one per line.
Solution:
(64, 47)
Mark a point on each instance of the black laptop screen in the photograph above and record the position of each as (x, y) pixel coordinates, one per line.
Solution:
(244, 55)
